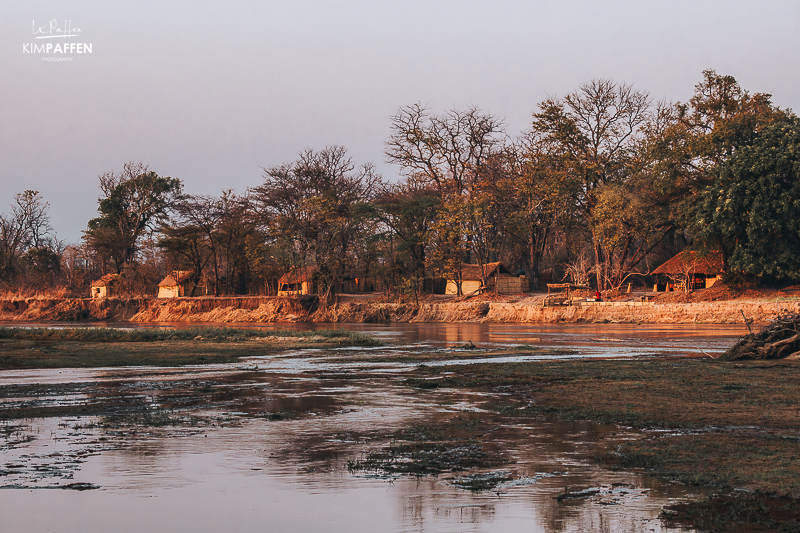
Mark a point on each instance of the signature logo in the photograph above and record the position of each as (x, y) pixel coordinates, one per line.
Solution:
(57, 50)
(55, 29)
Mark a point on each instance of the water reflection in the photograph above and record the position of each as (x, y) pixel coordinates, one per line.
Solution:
(220, 448)
(459, 333)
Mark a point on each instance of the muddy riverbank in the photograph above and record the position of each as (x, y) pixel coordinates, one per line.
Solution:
(559, 433)
(112, 347)
(731, 427)
(308, 440)
(360, 310)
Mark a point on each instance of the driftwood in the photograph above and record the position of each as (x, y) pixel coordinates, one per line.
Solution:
(780, 339)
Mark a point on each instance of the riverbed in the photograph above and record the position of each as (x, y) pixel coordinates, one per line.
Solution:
(265, 444)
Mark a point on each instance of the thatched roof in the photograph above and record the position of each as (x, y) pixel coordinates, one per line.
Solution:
(106, 281)
(298, 275)
(178, 277)
(690, 262)
(473, 272)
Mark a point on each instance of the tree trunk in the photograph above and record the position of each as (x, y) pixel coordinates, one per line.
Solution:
(598, 267)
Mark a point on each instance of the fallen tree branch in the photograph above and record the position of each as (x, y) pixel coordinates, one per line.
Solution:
(779, 339)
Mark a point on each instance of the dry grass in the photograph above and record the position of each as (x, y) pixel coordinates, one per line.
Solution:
(23, 293)
(673, 392)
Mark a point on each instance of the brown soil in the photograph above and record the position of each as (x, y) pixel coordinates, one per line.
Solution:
(721, 292)
(717, 305)
(717, 293)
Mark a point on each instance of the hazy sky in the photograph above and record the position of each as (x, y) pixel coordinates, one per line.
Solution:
(210, 92)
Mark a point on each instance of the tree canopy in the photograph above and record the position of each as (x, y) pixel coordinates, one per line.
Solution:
(751, 211)
(134, 201)
(316, 208)
(603, 186)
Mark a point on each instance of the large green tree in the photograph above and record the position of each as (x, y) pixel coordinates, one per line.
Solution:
(751, 210)
(693, 138)
(134, 202)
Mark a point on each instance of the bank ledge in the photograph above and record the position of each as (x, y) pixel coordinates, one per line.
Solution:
(280, 309)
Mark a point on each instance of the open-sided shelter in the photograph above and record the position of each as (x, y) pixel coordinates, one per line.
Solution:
(560, 293)
(297, 281)
(693, 270)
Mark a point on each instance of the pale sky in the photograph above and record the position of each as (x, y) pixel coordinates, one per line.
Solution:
(210, 92)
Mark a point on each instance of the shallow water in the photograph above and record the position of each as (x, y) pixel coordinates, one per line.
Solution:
(263, 445)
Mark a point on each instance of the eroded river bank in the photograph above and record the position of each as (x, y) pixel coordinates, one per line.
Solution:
(527, 309)
(391, 438)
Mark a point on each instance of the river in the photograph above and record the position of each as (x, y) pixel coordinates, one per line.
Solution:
(267, 447)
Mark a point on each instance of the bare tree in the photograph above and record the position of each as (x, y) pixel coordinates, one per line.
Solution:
(597, 130)
(316, 206)
(578, 271)
(26, 228)
(448, 151)
(192, 235)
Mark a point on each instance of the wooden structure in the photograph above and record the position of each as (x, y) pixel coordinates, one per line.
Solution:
(179, 284)
(104, 287)
(497, 279)
(560, 293)
(298, 281)
(692, 270)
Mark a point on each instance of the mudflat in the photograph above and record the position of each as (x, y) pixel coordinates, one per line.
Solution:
(731, 426)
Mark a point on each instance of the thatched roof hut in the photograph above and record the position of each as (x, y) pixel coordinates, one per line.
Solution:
(176, 285)
(691, 262)
(473, 272)
(104, 287)
(297, 281)
(695, 269)
(497, 278)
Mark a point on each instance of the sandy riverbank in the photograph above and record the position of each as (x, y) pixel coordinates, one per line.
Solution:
(352, 310)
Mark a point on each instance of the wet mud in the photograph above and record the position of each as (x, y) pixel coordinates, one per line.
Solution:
(269, 438)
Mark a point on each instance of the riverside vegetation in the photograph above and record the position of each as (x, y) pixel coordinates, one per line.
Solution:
(106, 347)
(604, 185)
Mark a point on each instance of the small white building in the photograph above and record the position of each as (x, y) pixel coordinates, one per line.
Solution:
(104, 287)
(178, 284)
